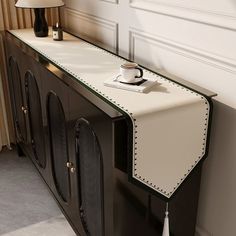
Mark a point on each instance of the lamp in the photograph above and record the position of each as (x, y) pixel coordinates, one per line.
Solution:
(40, 23)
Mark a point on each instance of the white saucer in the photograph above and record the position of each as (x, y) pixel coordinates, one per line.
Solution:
(122, 80)
(141, 85)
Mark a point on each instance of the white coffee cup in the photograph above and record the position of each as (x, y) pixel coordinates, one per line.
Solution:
(130, 71)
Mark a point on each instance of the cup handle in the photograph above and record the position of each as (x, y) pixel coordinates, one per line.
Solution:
(141, 72)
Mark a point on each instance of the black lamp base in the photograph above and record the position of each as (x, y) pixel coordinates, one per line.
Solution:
(40, 23)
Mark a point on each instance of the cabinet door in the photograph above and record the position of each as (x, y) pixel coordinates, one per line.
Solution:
(35, 118)
(59, 145)
(91, 152)
(90, 176)
(17, 101)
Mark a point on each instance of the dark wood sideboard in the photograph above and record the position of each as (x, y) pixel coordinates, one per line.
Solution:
(80, 145)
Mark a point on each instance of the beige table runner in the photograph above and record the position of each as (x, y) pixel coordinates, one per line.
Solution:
(170, 122)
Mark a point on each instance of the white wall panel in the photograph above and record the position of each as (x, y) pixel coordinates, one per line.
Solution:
(111, 1)
(94, 29)
(204, 37)
(188, 63)
(209, 12)
(226, 7)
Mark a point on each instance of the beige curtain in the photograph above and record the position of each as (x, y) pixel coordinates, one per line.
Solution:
(17, 18)
(13, 18)
(6, 127)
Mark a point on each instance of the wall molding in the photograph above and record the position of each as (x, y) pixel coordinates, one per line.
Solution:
(97, 27)
(213, 18)
(196, 54)
(111, 1)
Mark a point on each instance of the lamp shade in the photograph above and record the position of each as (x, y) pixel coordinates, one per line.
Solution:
(39, 3)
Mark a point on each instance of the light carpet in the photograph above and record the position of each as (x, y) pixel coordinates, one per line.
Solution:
(25, 202)
(56, 226)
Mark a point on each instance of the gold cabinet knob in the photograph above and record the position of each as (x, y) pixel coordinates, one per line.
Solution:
(24, 109)
(70, 165)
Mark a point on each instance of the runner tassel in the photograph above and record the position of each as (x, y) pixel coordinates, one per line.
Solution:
(166, 230)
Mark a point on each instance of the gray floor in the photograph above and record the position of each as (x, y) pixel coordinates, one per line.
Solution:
(24, 199)
(56, 226)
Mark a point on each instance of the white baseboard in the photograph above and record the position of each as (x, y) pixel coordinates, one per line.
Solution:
(202, 232)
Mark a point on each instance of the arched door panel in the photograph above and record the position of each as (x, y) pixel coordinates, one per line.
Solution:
(35, 118)
(59, 145)
(90, 175)
(17, 103)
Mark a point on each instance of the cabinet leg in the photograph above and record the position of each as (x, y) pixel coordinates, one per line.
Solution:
(20, 153)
